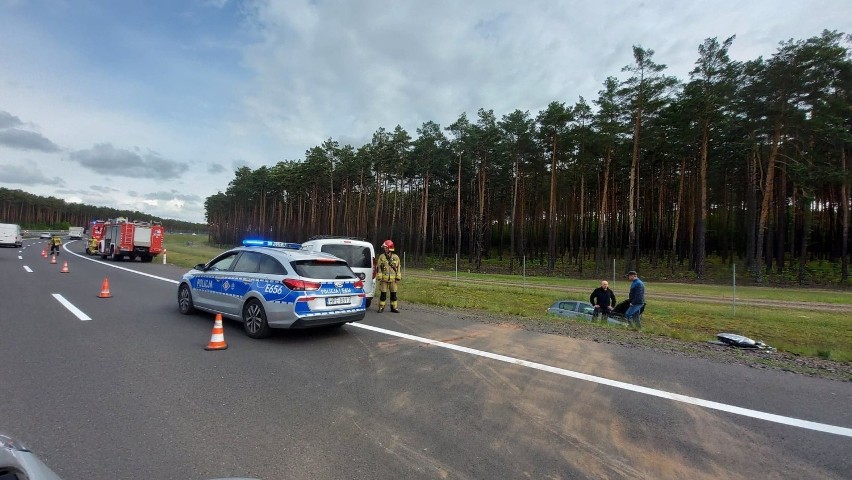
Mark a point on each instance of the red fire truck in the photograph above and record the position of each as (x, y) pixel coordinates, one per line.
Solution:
(119, 238)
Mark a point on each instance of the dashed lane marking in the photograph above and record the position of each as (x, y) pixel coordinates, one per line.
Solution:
(70, 306)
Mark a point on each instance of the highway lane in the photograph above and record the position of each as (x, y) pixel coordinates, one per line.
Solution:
(132, 394)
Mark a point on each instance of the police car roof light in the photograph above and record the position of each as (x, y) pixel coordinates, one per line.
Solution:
(269, 243)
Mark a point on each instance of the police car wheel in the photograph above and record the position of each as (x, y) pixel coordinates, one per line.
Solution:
(185, 300)
(254, 320)
(369, 301)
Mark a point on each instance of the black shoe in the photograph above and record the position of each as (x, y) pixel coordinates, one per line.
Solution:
(381, 309)
(394, 310)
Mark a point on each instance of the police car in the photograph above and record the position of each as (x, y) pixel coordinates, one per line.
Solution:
(270, 285)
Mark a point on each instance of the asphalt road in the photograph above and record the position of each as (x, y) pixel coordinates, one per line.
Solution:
(132, 393)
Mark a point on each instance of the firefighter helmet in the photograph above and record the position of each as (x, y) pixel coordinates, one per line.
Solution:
(388, 244)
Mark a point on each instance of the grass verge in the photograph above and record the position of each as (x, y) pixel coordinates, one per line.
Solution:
(795, 329)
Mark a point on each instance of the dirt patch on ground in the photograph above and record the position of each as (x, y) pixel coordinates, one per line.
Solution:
(814, 367)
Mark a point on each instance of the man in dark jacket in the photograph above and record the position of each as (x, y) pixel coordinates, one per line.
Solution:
(637, 299)
(603, 299)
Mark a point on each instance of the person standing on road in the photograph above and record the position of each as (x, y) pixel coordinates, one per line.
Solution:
(389, 274)
(55, 242)
(637, 299)
(603, 299)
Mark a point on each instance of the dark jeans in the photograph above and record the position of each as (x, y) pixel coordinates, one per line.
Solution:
(634, 314)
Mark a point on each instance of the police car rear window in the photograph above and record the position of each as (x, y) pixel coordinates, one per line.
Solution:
(320, 269)
(271, 266)
(355, 255)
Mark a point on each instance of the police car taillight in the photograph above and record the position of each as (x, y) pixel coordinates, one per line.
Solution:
(301, 285)
(359, 284)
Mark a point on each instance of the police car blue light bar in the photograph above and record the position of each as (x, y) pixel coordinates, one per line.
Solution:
(269, 243)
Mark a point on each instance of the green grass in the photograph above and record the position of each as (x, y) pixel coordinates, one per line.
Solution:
(187, 250)
(620, 286)
(797, 330)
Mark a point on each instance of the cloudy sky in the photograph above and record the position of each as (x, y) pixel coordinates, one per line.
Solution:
(152, 105)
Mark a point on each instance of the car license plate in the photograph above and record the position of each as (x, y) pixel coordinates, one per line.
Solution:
(338, 301)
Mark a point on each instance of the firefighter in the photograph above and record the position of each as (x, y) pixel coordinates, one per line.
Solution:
(389, 274)
(55, 242)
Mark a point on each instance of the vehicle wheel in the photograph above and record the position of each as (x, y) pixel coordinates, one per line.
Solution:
(369, 301)
(185, 300)
(147, 258)
(254, 320)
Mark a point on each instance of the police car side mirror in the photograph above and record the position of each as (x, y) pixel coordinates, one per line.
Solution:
(200, 266)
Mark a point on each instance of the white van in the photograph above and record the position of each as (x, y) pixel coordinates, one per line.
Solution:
(10, 235)
(358, 253)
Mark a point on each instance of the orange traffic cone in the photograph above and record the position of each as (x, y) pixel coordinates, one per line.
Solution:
(105, 289)
(53, 259)
(44, 253)
(64, 267)
(217, 339)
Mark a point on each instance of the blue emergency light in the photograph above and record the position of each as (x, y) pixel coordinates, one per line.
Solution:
(270, 243)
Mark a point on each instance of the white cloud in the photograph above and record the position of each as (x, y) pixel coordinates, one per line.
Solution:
(27, 175)
(127, 163)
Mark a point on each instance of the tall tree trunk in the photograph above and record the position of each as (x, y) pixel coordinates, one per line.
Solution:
(378, 212)
(513, 227)
(751, 205)
(458, 211)
(551, 217)
(844, 205)
(600, 256)
(631, 195)
(781, 219)
(767, 198)
(676, 220)
(582, 226)
(701, 233)
(806, 226)
(482, 181)
(332, 203)
(425, 216)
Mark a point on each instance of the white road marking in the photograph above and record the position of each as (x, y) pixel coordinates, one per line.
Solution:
(20, 257)
(771, 417)
(65, 247)
(28, 269)
(76, 311)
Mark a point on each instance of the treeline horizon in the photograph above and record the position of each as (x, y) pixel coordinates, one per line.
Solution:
(34, 211)
(744, 160)
(747, 161)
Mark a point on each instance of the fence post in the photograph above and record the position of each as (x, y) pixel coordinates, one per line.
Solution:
(613, 271)
(457, 269)
(734, 300)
